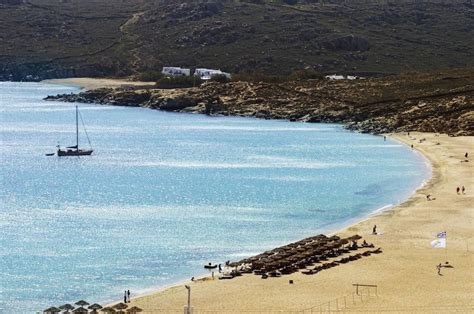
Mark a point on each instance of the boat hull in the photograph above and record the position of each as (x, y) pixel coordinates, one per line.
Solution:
(79, 152)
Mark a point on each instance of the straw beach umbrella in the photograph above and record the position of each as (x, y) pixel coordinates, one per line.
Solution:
(334, 238)
(66, 307)
(52, 310)
(81, 303)
(134, 309)
(94, 308)
(343, 241)
(120, 307)
(108, 310)
(80, 310)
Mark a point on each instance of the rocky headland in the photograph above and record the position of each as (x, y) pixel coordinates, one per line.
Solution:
(435, 102)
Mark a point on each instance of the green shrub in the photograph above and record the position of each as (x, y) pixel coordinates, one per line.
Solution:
(221, 78)
(297, 75)
(179, 82)
(150, 76)
(306, 74)
(256, 77)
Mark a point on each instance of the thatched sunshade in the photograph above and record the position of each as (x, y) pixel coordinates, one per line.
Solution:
(334, 238)
(81, 303)
(355, 237)
(108, 310)
(67, 307)
(120, 307)
(52, 310)
(80, 310)
(320, 236)
(134, 309)
(328, 246)
(343, 241)
(94, 307)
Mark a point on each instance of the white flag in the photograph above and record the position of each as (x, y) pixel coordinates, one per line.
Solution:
(439, 243)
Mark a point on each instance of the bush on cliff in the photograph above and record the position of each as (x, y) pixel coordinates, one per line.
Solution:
(150, 76)
(306, 74)
(296, 75)
(256, 77)
(179, 82)
(220, 78)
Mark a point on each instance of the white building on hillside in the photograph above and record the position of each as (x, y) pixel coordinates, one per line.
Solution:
(207, 74)
(176, 71)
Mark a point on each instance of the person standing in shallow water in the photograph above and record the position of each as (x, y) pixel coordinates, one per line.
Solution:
(125, 297)
(128, 294)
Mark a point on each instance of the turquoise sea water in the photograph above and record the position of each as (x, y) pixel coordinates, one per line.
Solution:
(165, 193)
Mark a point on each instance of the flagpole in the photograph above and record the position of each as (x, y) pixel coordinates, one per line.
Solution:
(446, 250)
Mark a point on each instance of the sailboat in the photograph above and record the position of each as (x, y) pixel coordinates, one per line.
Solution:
(75, 150)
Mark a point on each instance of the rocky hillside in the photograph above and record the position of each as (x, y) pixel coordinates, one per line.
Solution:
(63, 38)
(435, 102)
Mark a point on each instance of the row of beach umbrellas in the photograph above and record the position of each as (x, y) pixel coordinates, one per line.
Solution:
(297, 252)
(95, 308)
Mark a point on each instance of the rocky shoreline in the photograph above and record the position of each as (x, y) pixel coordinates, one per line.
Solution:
(437, 102)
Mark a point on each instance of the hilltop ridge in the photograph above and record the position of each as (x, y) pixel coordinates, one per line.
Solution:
(51, 38)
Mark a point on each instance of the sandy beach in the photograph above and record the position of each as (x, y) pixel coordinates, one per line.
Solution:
(94, 83)
(405, 274)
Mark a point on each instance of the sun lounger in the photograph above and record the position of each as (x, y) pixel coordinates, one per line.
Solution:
(226, 277)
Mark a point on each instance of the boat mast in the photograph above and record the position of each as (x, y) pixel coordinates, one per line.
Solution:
(77, 128)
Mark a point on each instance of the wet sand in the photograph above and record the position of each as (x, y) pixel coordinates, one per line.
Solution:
(405, 273)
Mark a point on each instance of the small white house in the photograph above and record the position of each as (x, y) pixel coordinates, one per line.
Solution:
(176, 71)
(207, 74)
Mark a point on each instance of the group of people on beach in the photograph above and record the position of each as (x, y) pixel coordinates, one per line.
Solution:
(461, 190)
(126, 296)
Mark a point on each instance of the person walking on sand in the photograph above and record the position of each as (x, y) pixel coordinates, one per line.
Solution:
(466, 155)
(438, 267)
(374, 229)
(457, 190)
(463, 190)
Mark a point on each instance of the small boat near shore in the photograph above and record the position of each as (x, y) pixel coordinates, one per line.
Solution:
(75, 150)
